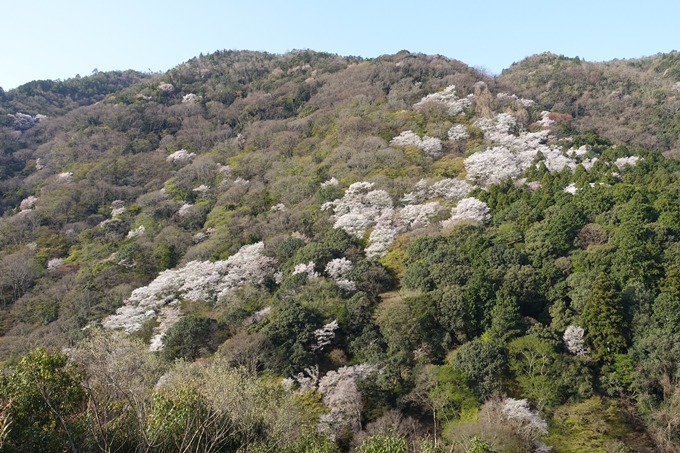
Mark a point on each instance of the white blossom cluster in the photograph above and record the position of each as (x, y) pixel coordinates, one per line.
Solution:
(181, 155)
(449, 99)
(330, 182)
(497, 164)
(418, 215)
(500, 130)
(241, 182)
(337, 269)
(117, 208)
(449, 189)
(184, 209)
(279, 207)
(24, 122)
(431, 146)
(359, 208)
(196, 281)
(573, 340)
(525, 421)
(457, 133)
(202, 190)
(571, 188)
(166, 87)
(517, 152)
(379, 241)
(65, 177)
(136, 232)
(588, 163)
(28, 203)
(526, 103)
(54, 263)
(324, 335)
(621, 162)
(189, 98)
(306, 380)
(224, 169)
(308, 269)
(342, 396)
(468, 209)
(545, 120)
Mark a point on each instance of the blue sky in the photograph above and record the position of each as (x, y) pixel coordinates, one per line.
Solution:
(43, 39)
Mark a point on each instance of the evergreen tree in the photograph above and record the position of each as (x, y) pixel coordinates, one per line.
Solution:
(602, 319)
(505, 317)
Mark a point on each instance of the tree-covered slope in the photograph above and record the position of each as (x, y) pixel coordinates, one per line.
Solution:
(633, 102)
(308, 252)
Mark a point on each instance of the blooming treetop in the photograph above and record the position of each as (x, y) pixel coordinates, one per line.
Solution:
(571, 188)
(458, 132)
(54, 263)
(449, 99)
(184, 209)
(117, 208)
(359, 209)
(342, 396)
(24, 122)
(136, 232)
(324, 335)
(196, 281)
(545, 120)
(330, 182)
(189, 98)
(418, 215)
(202, 190)
(449, 189)
(28, 203)
(468, 209)
(431, 146)
(621, 162)
(516, 153)
(65, 177)
(573, 340)
(306, 269)
(337, 269)
(526, 421)
(180, 156)
(166, 87)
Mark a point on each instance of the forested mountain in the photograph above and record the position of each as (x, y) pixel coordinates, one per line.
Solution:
(314, 253)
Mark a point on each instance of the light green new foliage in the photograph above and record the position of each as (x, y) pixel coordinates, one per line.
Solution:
(383, 443)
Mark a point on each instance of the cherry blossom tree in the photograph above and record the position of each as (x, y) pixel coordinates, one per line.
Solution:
(621, 162)
(180, 156)
(306, 269)
(28, 203)
(431, 146)
(341, 395)
(468, 209)
(457, 133)
(324, 335)
(573, 340)
(196, 281)
(526, 422)
(359, 208)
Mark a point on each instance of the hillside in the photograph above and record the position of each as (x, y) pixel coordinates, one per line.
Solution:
(308, 252)
(633, 102)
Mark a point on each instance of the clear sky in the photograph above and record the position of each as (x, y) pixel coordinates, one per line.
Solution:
(48, 39)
